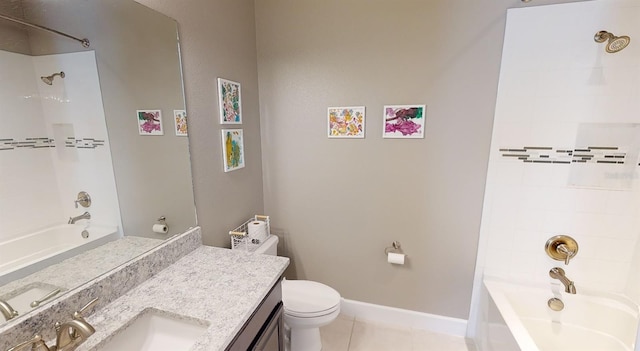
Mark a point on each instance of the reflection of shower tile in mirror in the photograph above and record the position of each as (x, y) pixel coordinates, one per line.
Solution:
(65, 140)
(606, 156)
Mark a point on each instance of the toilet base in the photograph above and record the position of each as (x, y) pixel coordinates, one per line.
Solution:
(307, 339)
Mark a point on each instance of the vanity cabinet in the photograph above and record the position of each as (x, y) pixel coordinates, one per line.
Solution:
(264, 331)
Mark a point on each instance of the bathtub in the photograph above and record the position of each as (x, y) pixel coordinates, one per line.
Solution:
(589, 321)
(30, 253)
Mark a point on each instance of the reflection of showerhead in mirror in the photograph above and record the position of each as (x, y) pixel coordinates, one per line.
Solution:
(614, 43)
(49, 79)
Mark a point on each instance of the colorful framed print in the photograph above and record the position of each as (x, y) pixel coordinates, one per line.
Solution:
(404, 121)
(180, 119)
(346, 122)
(230, 102)
(149, 122)
(232, 149)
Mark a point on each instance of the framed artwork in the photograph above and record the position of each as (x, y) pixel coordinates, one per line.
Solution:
(230, 102)
(346, 122)
(404, 121)
(232, 149)
(180, 119)
(149, 122)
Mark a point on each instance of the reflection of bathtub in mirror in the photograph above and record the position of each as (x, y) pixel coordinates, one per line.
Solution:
(27, 254)
(78, 269)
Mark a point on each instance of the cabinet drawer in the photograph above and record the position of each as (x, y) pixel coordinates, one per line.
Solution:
(259, 318)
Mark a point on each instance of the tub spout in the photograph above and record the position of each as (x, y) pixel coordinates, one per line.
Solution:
(85, 215)
(558, 273)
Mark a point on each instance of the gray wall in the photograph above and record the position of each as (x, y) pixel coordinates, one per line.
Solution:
(339, 203)
(218, 40)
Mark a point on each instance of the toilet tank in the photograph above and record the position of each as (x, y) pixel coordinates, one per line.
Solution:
(269, 246)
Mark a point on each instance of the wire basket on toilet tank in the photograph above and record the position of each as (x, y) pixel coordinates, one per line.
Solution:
(250, 234)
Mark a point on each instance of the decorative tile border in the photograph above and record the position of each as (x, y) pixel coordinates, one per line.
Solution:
(84, 143)
(547, 154)
(32, 143)
(40, 143)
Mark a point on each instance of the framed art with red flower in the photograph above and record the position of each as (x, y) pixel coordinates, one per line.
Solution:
(404, 121)
(149, 122)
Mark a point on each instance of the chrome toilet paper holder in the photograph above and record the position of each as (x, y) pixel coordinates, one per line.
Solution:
(394, 248)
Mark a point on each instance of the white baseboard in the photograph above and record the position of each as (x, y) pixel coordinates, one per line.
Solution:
(403, 318)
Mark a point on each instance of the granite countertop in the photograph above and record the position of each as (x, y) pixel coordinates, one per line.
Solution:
(219, 287)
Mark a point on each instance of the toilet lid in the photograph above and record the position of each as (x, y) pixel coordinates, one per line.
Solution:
(304, 297)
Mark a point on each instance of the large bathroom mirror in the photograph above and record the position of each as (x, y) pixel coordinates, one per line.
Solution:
(94, 158)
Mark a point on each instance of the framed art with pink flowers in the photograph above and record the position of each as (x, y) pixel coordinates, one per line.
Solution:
(404, 121)
(230, 101)
(149, 122)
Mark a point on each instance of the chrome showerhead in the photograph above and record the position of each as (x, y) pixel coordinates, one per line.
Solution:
(49, 79)
(614, 44)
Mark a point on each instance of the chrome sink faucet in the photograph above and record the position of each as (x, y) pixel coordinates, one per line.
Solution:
(7, 311)
(73, 220)
(558, 273)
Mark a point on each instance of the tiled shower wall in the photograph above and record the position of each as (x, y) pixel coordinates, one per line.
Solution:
(565, 148)
(54, 144)
(29, 195)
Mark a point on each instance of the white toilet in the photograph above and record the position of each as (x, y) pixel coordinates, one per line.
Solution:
(307, 306)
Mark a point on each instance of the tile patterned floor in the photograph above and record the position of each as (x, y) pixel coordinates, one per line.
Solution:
(347, 334)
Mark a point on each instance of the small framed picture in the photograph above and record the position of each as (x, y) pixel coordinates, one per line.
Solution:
(232, 149)
(346, 122)
(180, 119)
(404, 121)
(230, 101)
(149, 122)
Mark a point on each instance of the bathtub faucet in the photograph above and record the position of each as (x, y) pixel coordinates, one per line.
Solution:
(558, 273)
(73, 220)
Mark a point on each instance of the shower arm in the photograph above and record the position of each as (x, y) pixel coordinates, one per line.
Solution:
(85, 42)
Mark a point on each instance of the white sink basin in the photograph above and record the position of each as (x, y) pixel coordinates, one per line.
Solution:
(156, 330)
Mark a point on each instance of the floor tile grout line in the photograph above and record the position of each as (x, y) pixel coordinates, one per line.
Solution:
(353, 322)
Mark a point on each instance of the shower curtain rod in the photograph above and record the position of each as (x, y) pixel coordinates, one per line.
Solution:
(84, 42)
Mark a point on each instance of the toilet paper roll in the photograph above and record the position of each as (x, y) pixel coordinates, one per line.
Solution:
(257, 229)
(160, 228)
(395, 258)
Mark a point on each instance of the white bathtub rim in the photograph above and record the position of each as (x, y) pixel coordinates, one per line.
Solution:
(612, 299)
(107, 233)
(497, 287)
(511, 318)
(99, 232)
(95, 226)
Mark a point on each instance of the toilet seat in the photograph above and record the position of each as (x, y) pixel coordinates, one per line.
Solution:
(308, 299)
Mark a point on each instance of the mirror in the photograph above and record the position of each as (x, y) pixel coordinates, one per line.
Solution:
(87, 131)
